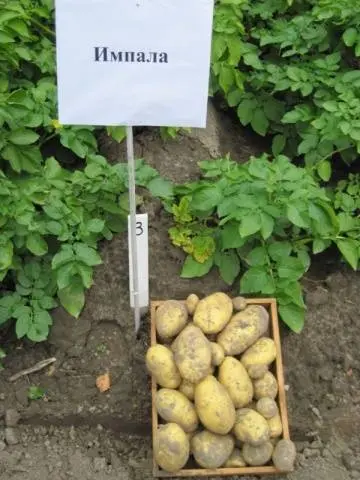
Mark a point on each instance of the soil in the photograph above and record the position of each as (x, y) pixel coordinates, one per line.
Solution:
(77, 432)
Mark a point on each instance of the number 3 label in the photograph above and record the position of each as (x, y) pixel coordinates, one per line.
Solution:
(139, 229)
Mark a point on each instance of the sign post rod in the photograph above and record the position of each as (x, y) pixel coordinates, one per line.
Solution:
(132, 203)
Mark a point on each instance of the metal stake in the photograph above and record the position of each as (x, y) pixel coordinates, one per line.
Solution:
(132, 202)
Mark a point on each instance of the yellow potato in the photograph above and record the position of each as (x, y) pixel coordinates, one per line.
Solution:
(239, 303)
(211, 450)
(256, 456)
(275, 426)
(160, 363)
(257, 371)
(213, 312)
(284, 455)
(234, 377)
(170, 318)
(174, 407)
(267, 407)
(236, 460)
(263, 352)
(191, 303)
(266, 386)
(251, 427)
(188, 389)
(217, 354)
(192, 354)
(214, 406)
(171, 447)
(244, 329)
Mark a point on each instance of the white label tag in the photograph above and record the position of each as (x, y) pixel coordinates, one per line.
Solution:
(133, 62)
(142, 260)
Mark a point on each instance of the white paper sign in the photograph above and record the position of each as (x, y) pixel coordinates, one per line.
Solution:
(142, 260)
(133, 62)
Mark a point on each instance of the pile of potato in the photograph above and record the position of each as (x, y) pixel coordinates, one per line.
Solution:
(217, 394)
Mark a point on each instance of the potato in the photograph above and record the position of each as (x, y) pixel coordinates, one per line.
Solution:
(191, 303)
(257, 371)
(284, 455)
(239, 303)
(171, 447)
(256, 456)
(211, 450)
(188, 389)
(192, 354)
(275, 426)
(160, 363)
(170, 318)
(251, 427)
(267, 407)
(174, 407)
(237, 382)
(266, 386)
(263, 352)
(244, 329)
(217, 354)
(214, 406)
(235, 460)
(213, 312)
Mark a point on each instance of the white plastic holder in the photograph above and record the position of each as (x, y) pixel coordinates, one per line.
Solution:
(138, 243)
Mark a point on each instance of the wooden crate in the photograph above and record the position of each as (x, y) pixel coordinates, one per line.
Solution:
(190, 471)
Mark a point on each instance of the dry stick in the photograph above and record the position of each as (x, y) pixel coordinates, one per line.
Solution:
(38, 366)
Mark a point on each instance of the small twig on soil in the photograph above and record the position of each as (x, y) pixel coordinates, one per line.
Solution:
(38, 366)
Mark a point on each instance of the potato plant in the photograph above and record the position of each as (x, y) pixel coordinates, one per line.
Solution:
(259, 222)
(224, 417)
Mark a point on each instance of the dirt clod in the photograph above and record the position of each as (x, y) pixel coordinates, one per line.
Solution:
(11, 436)
(12, 417)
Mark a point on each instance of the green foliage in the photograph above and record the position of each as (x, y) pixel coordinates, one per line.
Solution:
(51, 224)
(36, 393)
(290, 68)
(263, 220)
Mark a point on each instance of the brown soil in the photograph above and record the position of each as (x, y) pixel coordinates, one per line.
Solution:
(77, 432)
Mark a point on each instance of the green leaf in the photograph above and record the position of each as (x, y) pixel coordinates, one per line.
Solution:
(23, 322)
(250, 224)
(350, 36)
(229, 266)
(257, 280)
(278, 144)
(245, 111)
(86, 274)
(206, 198)
(87, 255)
(23, 136)
(64, 275)
(279, 250)
(257, 257)
(47, 302)
(350, 250)
(117, 133)
(6, 255)
(72, 298)
(259, 122)
(290, 268)
(296, 217)
(267, 225)
(192, 268)
(230, 236)
(36, 244)
(54, 228)
(36, 393)
(294, 292)
(95, 225)
(319, 245)
(324, 170)
(161, 187)
(65, 255)
(293, 316)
